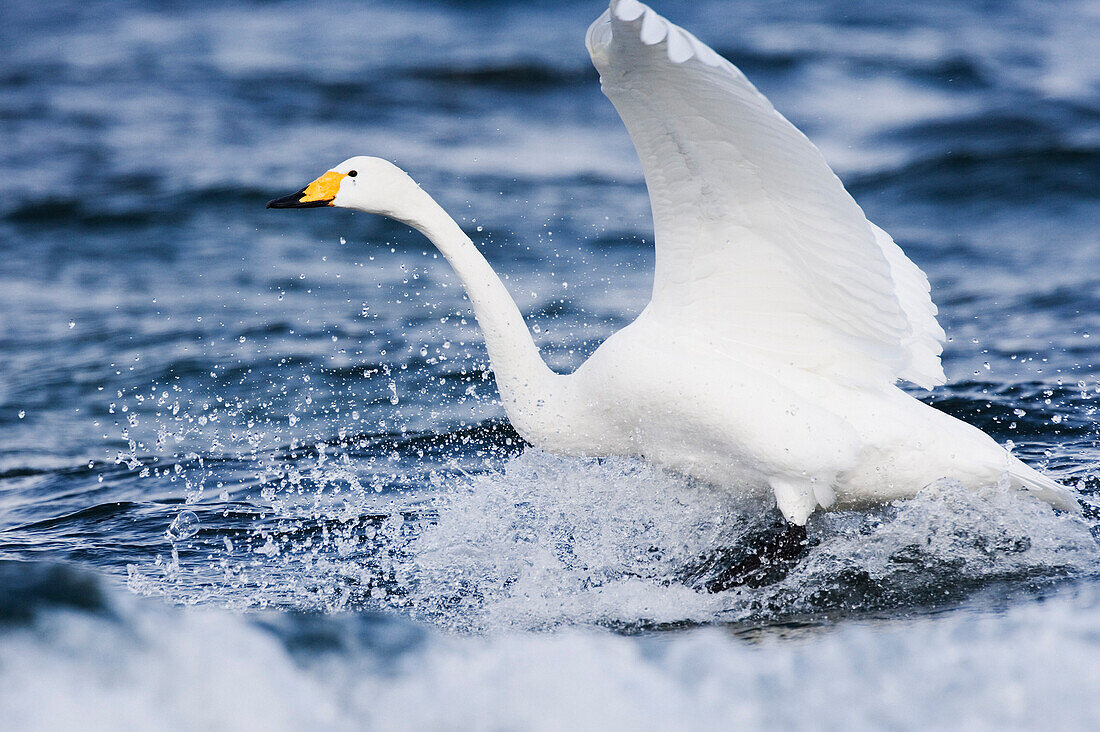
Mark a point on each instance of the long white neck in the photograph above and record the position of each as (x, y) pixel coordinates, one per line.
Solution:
(529, 390)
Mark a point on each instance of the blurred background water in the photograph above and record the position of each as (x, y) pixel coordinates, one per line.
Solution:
(287, 418)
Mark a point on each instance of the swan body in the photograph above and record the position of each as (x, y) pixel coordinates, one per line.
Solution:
(780, 321)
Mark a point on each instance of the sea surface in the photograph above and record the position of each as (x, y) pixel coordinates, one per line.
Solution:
(253, 469)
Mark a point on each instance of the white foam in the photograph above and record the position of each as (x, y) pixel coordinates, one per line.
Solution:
(558, 541)
(150, 667)
(1030, 668)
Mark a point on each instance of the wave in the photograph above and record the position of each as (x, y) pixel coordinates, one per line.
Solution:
(182, 668)
(1006, 174)
(147, 207)
(517, 75)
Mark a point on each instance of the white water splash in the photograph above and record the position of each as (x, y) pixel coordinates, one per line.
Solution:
(557, 541)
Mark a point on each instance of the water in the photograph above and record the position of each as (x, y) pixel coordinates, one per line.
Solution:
(252, 461)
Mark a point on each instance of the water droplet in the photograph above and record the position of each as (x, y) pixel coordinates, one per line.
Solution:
(269, 549)
(185, 525)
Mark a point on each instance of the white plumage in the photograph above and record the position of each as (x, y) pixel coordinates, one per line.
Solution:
(780, 320)
(758, 243)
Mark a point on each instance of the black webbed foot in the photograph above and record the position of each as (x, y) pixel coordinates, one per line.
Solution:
(763, 558)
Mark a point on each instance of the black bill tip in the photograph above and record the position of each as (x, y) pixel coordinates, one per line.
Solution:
(294, 200)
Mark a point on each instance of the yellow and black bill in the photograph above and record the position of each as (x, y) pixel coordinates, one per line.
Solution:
(320, 192)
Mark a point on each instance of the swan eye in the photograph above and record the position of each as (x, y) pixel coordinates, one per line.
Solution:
(352, 173)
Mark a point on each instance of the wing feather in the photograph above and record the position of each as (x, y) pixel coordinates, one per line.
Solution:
(760, 249)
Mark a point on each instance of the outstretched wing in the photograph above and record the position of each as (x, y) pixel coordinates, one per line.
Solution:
(760, 250)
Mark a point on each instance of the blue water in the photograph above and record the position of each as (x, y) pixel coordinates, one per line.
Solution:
(253, 471)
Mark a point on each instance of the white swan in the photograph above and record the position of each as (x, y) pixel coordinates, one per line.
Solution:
(780, 320)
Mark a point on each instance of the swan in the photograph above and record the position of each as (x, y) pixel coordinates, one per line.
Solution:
(780, 322)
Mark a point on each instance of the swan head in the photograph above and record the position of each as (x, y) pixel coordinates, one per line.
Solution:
(364, 183)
